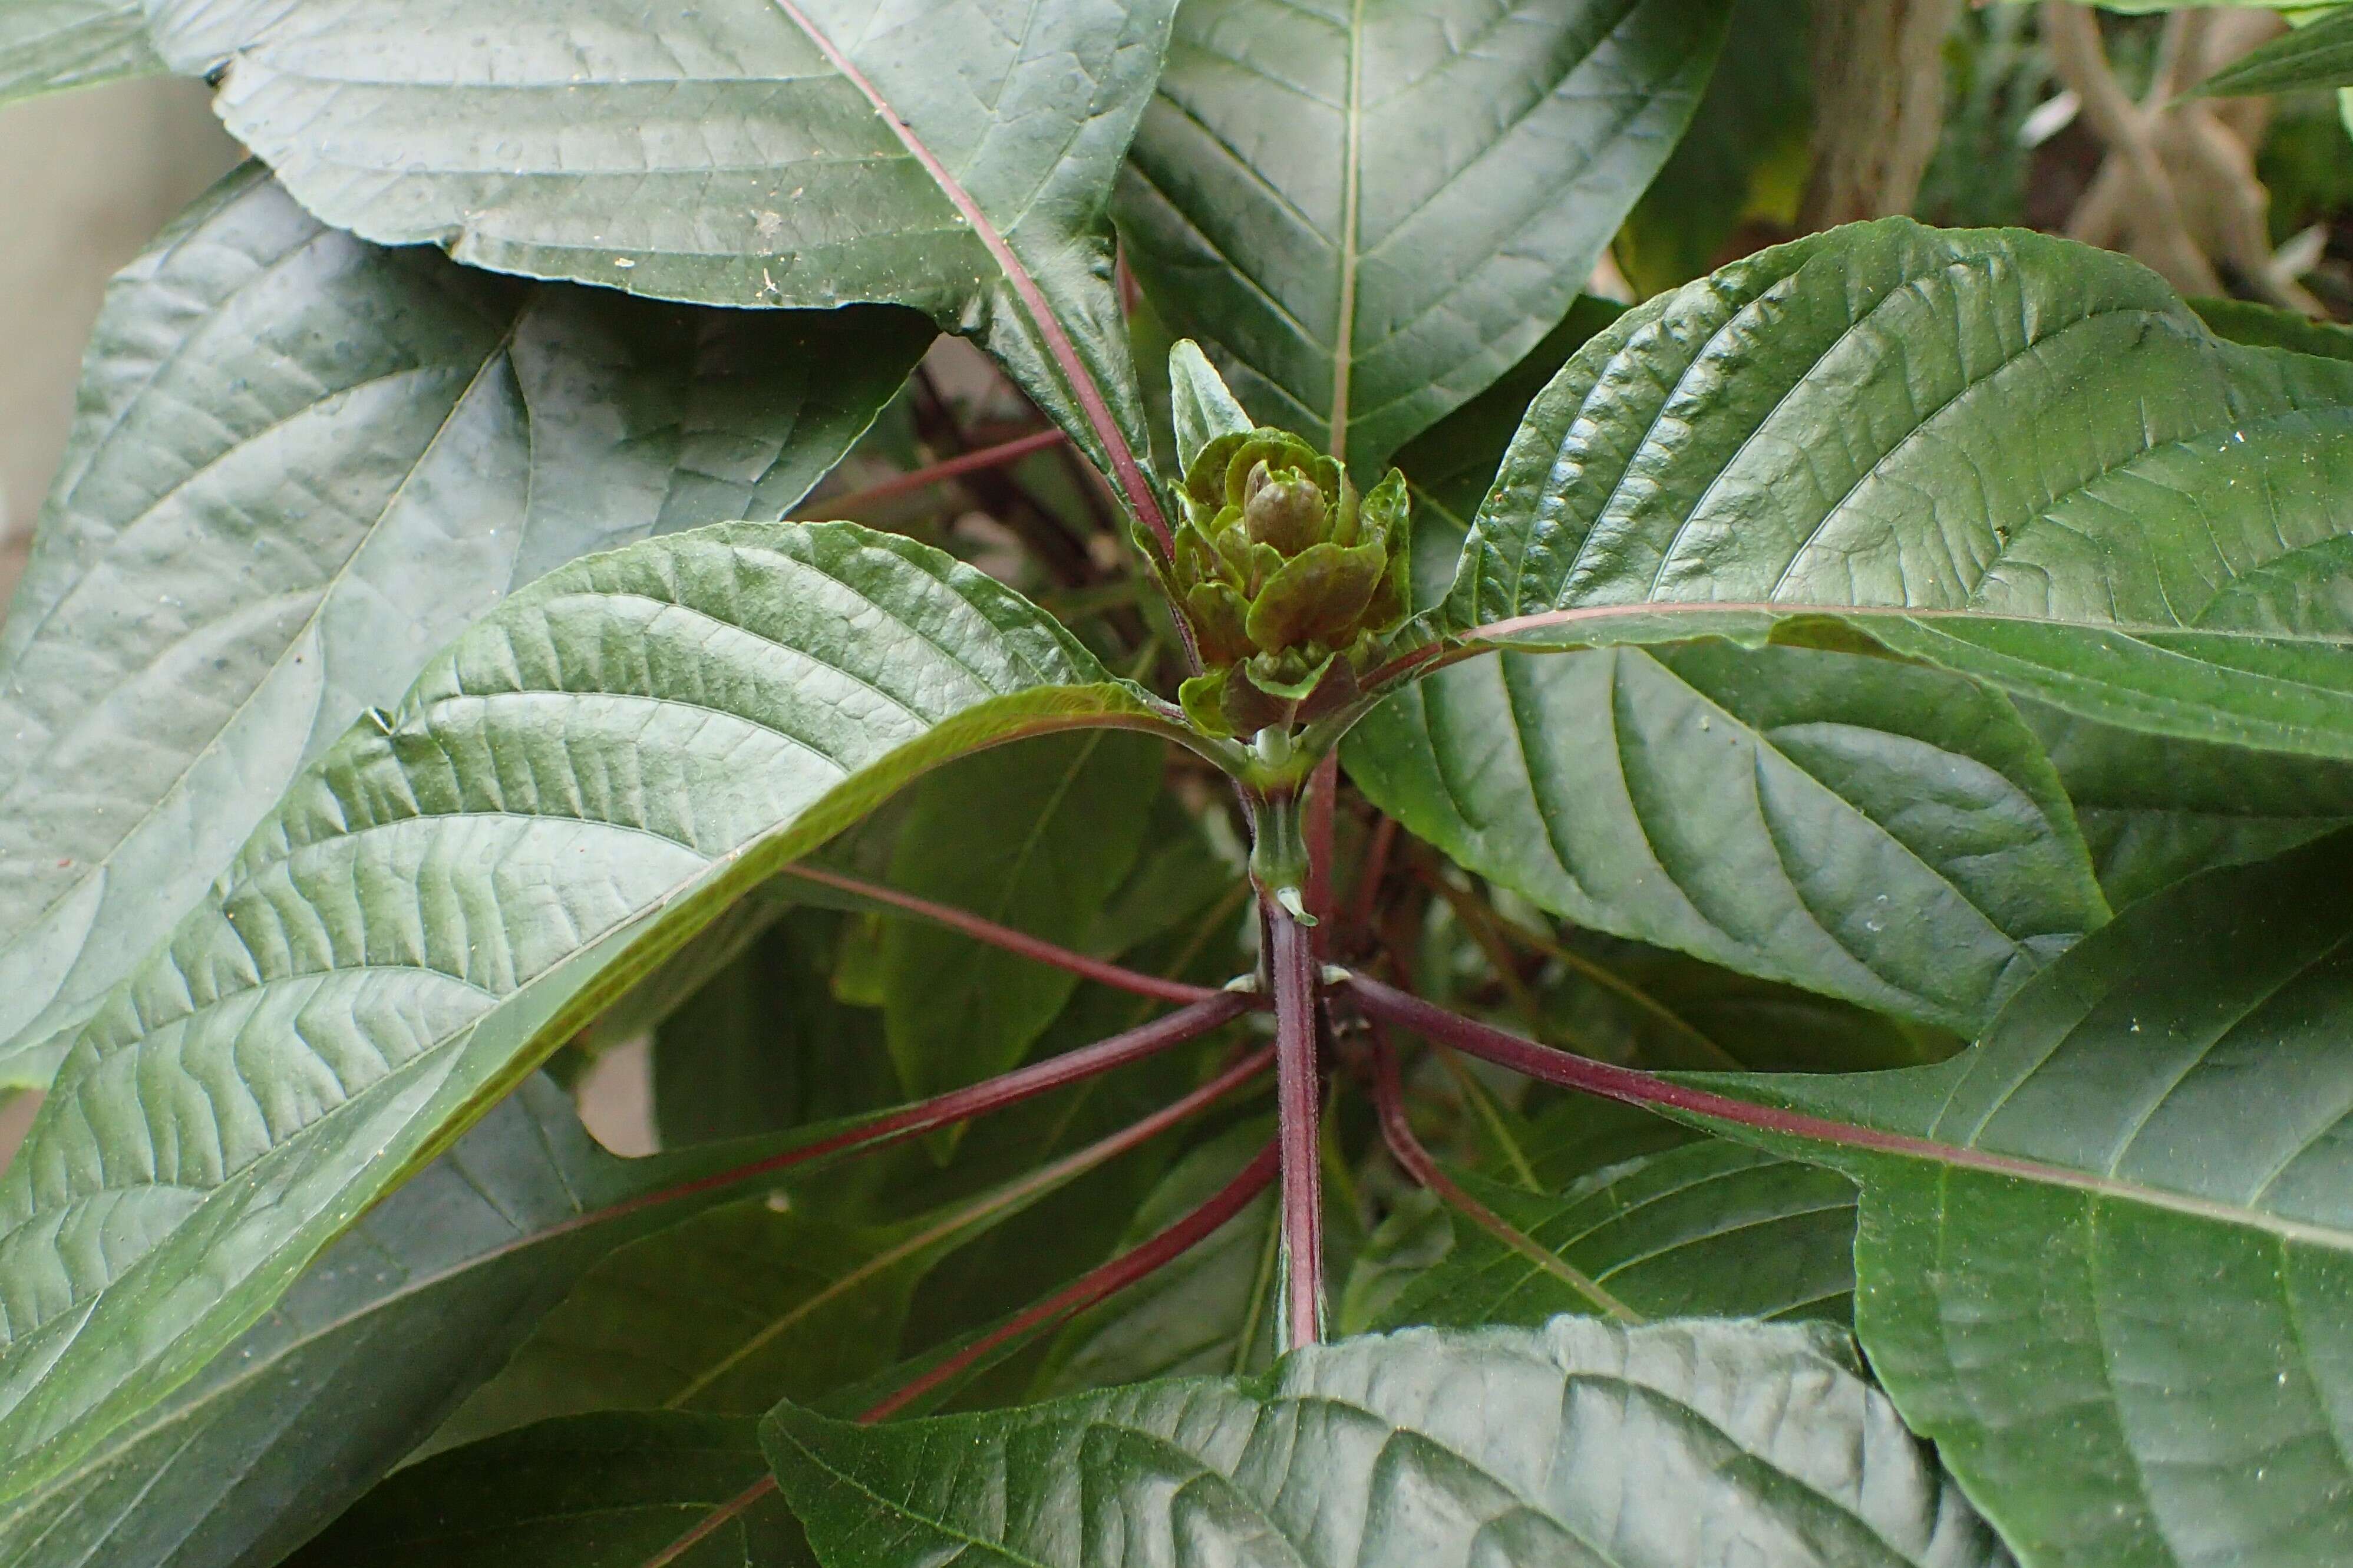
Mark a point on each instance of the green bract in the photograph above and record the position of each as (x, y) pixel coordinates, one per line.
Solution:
(1293, 581)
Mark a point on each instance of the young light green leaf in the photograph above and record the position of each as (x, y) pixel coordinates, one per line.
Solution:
(1373, 209)
(565, 796)
(1710, 1229)
(1201, 409)
(1581, 1444)
(958, 158)
(2104, 1256)
(1853, 825)
(48, 45)
(1035, 837)
(388, 443)
(360, 1360)
(615, 1490)
(2013, 456)
(2317, 55)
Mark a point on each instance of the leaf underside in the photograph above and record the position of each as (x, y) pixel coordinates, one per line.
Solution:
(745, 153)
(388, 444)
(1579, 1445)
(362, 1357)
(48, 46)
(579, 783)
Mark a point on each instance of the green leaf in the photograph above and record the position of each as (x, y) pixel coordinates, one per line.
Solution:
(2317, 55)
(367, 1353)
(1211, 1310)
(1034, 837)
(1450, 465)
(608, 1490)
(958, 158)
(47, 45)
(1746, 156)
(2104, 1256)
(2007, 454)
(764, 1045)
(1069, 1231)
(1624, 1000)
(730, 1313)
(1374, 209)
(301, 466)
(1710, 1229)
(1852, 824)
(724, 1314)
(567, 794)
(2155, 810)
(2268, 326)
(1699, 1445)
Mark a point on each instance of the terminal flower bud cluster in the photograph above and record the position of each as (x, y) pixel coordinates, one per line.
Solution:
(1292, 579)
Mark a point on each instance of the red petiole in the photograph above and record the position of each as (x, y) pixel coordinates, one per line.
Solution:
(1002, 936)
(1003, 455)
(1397, 1132)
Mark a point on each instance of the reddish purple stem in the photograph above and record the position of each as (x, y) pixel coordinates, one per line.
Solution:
(1298, 1099)
(1021, 942)
(995, 457)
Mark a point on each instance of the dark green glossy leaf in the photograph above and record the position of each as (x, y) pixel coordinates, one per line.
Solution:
(1035, 837)
(1625, 1001)
(2316, 55)
(1450, 465)
(956, 158)
(1697, 1445)
(1374, 209)
(763, 1044)
(1849, 823)
(567, 794)
(610, 1491)
(301, 466)
(2103, 1257)
(2155, 810)
(2268, 326)
(1745, 155)
(1214, 1310)
(366, 1355)
(725, 1314)
(47, 45)
(1709, 1230)
(2013, 456)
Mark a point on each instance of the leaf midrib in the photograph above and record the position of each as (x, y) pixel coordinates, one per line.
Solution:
(1351, 176)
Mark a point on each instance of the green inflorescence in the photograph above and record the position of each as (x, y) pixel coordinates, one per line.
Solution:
(1293, 581)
